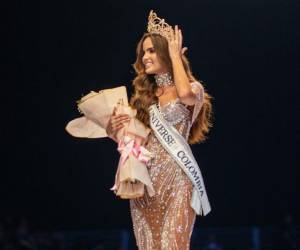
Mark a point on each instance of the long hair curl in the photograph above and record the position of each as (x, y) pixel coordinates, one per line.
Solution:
(145, 88)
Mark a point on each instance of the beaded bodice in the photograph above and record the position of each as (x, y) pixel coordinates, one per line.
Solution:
(174, 112)
(177, 115)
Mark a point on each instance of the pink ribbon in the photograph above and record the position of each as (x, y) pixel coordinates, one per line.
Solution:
(129, 146)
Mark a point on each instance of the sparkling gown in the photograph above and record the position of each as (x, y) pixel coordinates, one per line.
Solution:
(166, 220)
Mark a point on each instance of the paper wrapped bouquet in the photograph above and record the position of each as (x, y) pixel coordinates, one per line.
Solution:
(97, 107)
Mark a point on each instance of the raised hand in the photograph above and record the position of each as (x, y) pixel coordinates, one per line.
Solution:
(175, 44)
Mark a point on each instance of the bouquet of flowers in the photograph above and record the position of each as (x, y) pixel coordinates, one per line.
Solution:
(97, 107)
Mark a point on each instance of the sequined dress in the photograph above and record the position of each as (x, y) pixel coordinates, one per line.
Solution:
(166, 220)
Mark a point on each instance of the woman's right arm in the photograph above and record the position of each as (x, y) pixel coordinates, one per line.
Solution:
(115, 123)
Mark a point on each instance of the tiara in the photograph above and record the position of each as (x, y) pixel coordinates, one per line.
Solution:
(157, 25)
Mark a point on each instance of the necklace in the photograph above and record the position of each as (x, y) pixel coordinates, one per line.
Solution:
(163, 80)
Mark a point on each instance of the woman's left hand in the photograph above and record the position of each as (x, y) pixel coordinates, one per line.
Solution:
(175, 44)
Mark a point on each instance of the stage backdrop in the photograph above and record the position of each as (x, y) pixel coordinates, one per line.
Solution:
(245, 52)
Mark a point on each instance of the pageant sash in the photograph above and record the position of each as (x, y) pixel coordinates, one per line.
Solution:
(180, 151)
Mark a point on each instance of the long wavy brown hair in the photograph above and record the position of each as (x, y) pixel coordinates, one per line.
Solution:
(145, 88)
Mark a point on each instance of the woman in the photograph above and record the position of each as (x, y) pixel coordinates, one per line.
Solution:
(164, 83)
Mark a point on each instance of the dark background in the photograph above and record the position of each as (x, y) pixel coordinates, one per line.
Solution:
(245, 52)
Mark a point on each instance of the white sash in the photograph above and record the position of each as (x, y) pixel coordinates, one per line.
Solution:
(180, 151)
